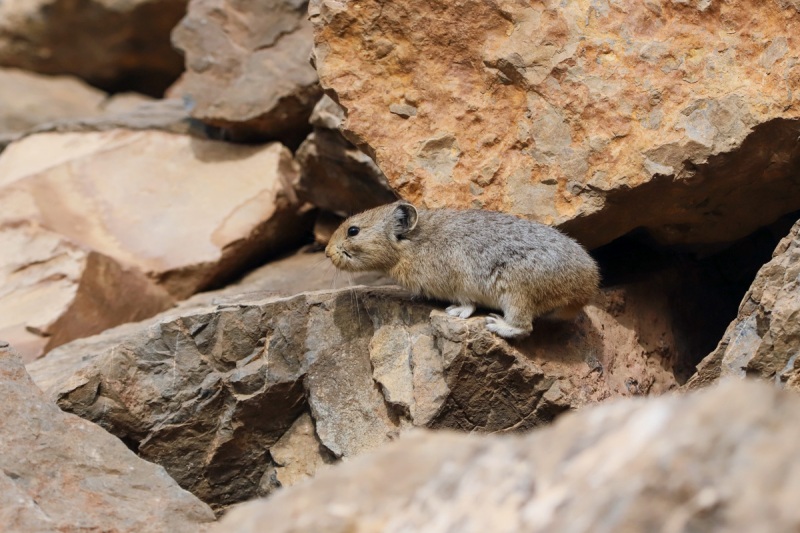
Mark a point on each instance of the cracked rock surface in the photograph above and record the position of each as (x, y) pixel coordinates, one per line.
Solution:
(237, 376)
(763, 340)
(335, 175)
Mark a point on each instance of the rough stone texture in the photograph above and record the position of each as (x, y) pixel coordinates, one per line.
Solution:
(232, 375)
(247, 66)
(763, 341)
(53, 291)
(59, 472)
(335, 175)
(27, 100)
(110, 43)
(599, 117)
(86, 217)
(722, 460)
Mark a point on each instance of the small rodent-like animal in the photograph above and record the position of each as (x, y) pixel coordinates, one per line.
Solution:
(472, 258)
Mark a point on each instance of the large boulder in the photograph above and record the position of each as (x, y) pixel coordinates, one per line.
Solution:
(763, 340)
(59, 472)
(599, 117)
(722, 460)
(176, 212)
(208, 390)
(115, 44)
(247, 67)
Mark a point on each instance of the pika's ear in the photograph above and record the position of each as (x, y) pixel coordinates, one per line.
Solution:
(405, 218)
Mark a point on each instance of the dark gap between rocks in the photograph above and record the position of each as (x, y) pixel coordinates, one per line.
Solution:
(704, 284)
(131, 443)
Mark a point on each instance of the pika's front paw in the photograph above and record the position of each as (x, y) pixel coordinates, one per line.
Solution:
(461, 311)
(496, 324)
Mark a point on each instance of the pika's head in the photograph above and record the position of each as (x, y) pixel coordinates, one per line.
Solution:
(372, 240)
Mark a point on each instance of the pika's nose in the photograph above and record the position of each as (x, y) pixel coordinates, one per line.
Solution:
(328, 252)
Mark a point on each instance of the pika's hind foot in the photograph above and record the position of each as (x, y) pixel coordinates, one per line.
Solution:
(497, 324)
(461, 311)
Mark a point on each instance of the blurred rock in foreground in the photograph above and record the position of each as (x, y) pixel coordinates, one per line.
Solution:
(59, 472)
(722, 460)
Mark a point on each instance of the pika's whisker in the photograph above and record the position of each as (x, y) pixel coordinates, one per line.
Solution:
(355, 296)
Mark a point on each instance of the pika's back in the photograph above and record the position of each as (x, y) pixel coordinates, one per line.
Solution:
(489, 233)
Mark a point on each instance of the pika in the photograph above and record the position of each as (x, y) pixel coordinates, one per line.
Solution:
(472, 258)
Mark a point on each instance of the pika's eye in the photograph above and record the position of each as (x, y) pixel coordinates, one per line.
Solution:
(352, 231)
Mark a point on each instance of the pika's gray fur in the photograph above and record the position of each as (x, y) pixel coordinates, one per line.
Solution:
(472, 258)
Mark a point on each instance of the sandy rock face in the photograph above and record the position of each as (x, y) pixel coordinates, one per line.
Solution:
(163, 213)
(110, 43)
(763, 340)
(697, 463)
(247, 66)
(572, 112)
(236, 376)
(59, 472)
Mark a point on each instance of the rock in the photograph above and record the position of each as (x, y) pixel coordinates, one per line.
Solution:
(53, 291)
(598, 117)
(247, 67)
(204, 231)
(209, 389)
(214, 207)
(290, 275)
(299, 454)
(28, 99)
(129, 111)
(122, 113)
(763, 340)
(114, 44)
(336, 176)
(325, 226)
(122, 103)
(676, 463)
(59, 472)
